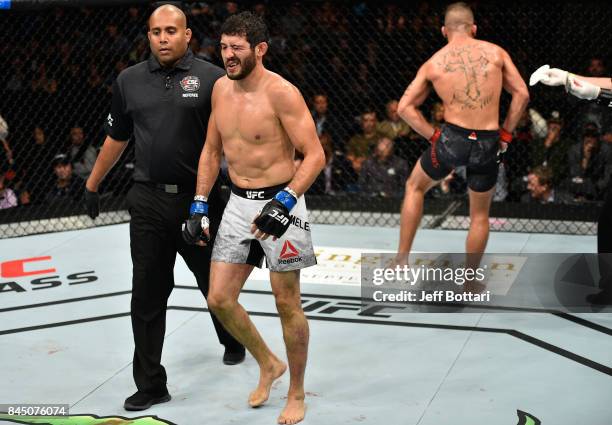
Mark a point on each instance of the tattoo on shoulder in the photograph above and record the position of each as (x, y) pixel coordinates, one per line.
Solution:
(470, 61)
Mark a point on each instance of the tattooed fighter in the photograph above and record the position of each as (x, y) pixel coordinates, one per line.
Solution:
(468, 75)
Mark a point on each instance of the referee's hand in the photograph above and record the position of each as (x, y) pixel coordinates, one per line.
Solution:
(92, 203)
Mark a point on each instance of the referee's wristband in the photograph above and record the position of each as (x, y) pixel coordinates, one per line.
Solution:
(200, 198)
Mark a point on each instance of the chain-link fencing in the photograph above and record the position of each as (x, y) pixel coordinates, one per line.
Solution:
(352, 61)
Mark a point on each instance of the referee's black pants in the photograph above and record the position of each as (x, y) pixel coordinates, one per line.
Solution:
(155, 238)
(604, 243)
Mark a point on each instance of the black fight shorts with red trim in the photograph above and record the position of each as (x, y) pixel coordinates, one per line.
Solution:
(236, 244)
(458, 146)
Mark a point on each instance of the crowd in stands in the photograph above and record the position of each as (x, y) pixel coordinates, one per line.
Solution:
(351, 61)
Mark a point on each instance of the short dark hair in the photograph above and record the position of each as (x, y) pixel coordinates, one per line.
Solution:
(249, 25)
(591, 132)
(458, 15)
(369, 110)
(544, 175)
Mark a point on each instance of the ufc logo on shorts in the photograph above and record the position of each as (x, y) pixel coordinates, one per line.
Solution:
(254, 194)
(280, 217)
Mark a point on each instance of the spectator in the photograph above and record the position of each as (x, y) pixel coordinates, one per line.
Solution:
(437, 114)
(206, 50)
(24, 198)
(6, 153)
(384, 174)
(260, 10)
(16, 81)
(590, 166)
(590, 112)
(67, 187)
(82, 155)
(136, 27)
(596, 68)
(338, 174)
(539, 126)
(120, 64)
(139, 51)
(293, 22)
(551, 151)
(393, 127)
(517, 159)
(319, 112)
(360, 145)
(94, 80)
(8, 199)
(115, 42)
(327, 121)
(33, 161)
(541, 189)
(73, 77)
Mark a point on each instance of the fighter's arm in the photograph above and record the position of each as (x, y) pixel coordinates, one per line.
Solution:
(195, 228)
(291, 109)
(413, 97)
(210, 158)
(513, 83)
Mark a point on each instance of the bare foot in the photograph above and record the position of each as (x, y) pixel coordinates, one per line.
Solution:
(266, 377)
(294, 411)
(401, 259)
(474, 287)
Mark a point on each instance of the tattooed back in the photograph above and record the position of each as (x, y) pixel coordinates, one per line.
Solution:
(467, 76)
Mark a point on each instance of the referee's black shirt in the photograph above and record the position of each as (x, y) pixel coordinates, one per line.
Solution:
(167, 111)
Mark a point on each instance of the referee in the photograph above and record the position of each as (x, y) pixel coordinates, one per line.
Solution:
(164, 103)
(598, 90)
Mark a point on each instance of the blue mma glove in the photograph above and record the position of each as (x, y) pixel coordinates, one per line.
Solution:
(194, 226)
(274, 218)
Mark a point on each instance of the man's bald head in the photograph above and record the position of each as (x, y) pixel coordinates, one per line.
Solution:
(168, 34)
(458, 17)
(169, 10)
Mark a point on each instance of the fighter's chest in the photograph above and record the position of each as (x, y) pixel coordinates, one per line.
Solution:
(249, 118)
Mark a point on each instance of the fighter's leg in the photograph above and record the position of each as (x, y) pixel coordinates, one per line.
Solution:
(478, 235)
(417, 185)
(286, 288)
(226, 281)
(481, 179)
(197, 259)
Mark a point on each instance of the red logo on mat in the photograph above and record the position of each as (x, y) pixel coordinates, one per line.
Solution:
(288, 251)
(473, 136)
(16, 268)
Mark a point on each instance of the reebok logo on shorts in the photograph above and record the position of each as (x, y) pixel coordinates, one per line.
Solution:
(289, 254)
